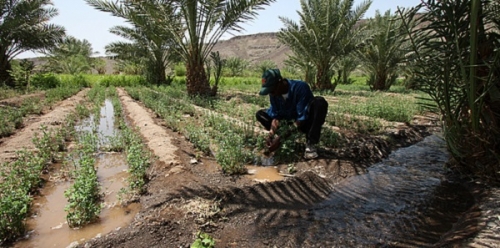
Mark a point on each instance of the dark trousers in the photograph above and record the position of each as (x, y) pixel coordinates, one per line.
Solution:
(316, 115)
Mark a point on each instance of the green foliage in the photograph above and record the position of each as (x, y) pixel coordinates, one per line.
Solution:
(327, 31)
(264, 65)
(13, 210)
(236, 66)
(83, 196)
(121, 81)
(199, 137)
(180, 70)
(456, 63)
(345, 66)
(27, 22)
(195, 28)
(138, 159)
(45, 81)
(150, 47)
(383, 51)
(292, 145)
(21, 73)
(70, 56)
(203, 240)
(217, 63)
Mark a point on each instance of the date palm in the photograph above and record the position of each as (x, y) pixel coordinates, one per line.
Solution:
(457, 63)
(383, 51)
(148, 44)
(203, 22)
(23, 27)
(71, 56)
(327, 30)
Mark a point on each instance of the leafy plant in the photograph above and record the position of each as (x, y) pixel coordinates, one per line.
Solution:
(457, 61)
(326, 32)
(203, 240)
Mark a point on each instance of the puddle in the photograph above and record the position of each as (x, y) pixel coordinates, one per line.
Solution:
(107, 122)
(48, 226)
(264, 173)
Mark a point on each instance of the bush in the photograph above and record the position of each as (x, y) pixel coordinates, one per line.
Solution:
(180, 70)
(45, 81)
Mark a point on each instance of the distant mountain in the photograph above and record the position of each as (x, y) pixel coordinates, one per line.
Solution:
(254, 48)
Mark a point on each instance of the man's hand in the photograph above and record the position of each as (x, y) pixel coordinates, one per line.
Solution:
(273, 143)
(274, 126)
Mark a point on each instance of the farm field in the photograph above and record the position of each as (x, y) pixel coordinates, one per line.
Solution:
(379, 180)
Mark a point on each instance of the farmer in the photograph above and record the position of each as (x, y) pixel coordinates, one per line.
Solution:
(291, 100)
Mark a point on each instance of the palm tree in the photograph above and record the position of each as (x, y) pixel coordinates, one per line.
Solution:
(457, 63)
(71, 56)
(236, 66)
(148, 43)
(384, 51)
(23, 27)
(327, 30)
(203, 23)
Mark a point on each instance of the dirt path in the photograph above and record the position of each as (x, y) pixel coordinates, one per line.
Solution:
(158, 141)
(23, 138)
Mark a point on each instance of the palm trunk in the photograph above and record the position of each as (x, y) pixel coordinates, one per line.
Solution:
(324, 78)
(196, 79)
(5, 67)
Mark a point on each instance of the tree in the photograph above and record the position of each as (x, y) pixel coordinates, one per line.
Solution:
(383, 52)
(71, 56)
(203, 23)
(457, 59)
(149, 45)
(327, 30)
(236, 66)
(264, 65)
(345, 66)
(21, 72)
(23, 27)
(99, 65)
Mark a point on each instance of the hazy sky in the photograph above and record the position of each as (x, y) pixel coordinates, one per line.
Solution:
(85, 22)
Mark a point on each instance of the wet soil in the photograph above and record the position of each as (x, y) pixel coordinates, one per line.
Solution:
(184, 197)
(318, 206)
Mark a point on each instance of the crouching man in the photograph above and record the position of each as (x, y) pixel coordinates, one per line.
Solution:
(291, 100)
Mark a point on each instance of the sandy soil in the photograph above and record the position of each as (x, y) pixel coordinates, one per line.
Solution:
(22, 139)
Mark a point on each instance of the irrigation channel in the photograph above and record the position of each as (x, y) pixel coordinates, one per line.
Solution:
(48, 226)
(404, 201)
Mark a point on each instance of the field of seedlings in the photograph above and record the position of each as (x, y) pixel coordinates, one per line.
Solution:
(125, 164)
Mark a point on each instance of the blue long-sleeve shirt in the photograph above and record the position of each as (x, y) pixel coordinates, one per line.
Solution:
(296, 104)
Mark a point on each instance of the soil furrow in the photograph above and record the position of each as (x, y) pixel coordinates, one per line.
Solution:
(22, 139)
(158, 141)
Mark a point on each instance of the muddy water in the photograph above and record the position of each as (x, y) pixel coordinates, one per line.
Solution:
(264, 173)
(48, 226)
(403, 201)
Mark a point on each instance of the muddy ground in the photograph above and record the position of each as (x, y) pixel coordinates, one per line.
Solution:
(187, 193)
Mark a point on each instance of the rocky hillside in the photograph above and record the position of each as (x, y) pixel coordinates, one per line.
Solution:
(254, 48)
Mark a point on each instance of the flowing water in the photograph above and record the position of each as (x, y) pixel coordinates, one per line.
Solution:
(48, 226)
(403, 201)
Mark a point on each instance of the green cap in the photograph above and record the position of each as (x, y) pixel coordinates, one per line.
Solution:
(269, 79)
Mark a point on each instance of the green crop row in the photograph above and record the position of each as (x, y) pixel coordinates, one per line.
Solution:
(21, 178)
(11, 118)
